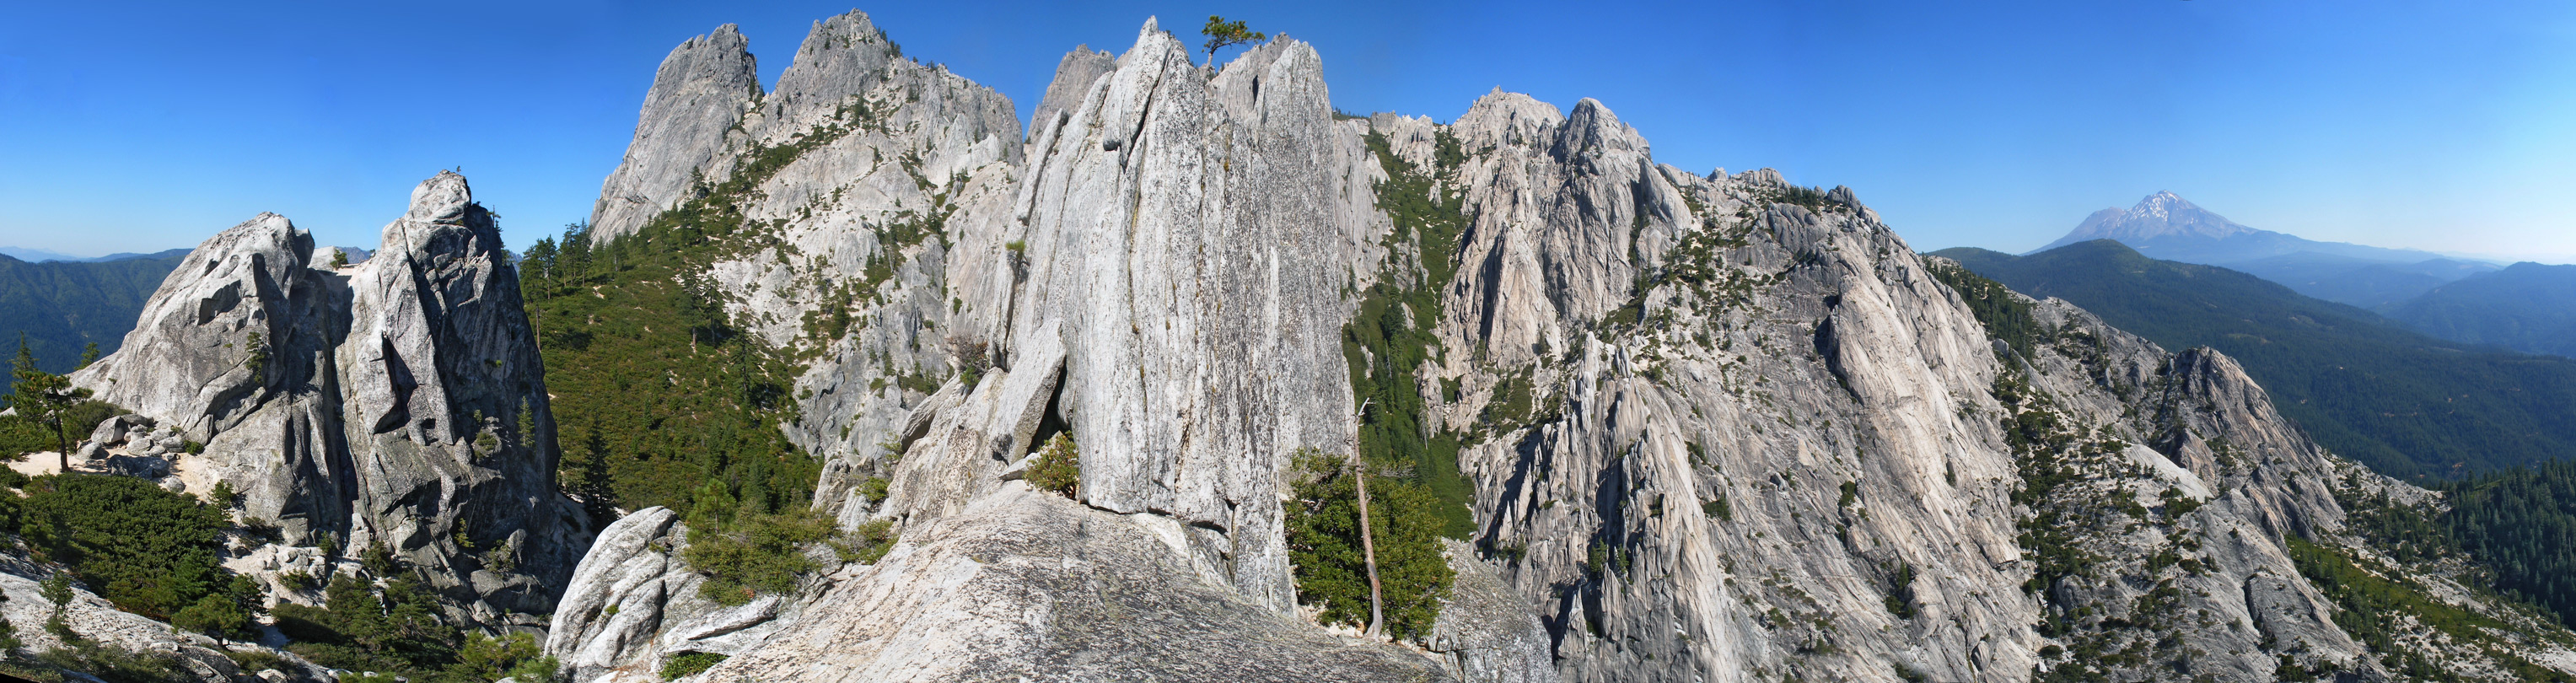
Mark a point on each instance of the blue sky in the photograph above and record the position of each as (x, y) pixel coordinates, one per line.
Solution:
(2442, 126)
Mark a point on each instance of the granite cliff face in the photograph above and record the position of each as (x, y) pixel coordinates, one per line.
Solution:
(1717, 427)
(399, 402)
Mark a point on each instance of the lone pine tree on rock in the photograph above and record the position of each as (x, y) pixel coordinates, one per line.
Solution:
(1223, 34)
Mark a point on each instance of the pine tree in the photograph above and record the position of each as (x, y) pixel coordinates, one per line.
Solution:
(1222, 34)
(44, 398)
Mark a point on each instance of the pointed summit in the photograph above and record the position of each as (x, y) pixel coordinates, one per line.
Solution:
(2168, 227)
(2160, 216)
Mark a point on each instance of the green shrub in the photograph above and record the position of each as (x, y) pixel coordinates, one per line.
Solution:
(1719, 509)
(116, 664)
(1058, 468)
(874, 489)
(868, 543)
(1900, 593)
(686, 664)
(754, 554)
(1324, 545)
(512, 655)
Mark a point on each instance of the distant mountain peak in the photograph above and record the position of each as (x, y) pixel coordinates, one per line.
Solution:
(2165, 204)
(2161, 215)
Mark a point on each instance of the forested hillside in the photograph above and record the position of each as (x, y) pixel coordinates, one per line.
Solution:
(63, 306)
(2406, 404)
(656, 394)
(2525, 307)
(2523, 524)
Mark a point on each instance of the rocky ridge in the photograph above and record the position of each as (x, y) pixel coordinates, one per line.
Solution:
(396, 403)
(1717, 427)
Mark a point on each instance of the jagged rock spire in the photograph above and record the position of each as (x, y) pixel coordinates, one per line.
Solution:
(702, 90)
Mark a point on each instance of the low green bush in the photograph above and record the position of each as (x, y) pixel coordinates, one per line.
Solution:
(1058, 468)
(686, 664)
(754, 553)
(149, 551)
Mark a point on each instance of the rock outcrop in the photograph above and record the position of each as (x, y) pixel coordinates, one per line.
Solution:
(1022, 585)
(399, 402)
(700, 95)
(635, 603)
(1714, 427)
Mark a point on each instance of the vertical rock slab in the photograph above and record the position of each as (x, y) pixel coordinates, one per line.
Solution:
(702, 90)
(1179, 228)
(448, 420)
(235, 349)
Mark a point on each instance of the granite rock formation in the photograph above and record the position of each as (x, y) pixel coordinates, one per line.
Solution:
(1717, 427)
(399, 402)
(702, 92)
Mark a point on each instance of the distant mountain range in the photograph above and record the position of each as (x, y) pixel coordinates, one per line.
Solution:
(63, 306)
(2405, 403)
(43, 256)
(2528, 307)
(2165, 226)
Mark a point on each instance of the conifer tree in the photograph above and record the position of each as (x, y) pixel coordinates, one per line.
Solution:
(1222, 34)
(44, 398)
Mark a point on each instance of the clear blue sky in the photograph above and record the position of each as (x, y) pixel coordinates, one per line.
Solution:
(2443, 126)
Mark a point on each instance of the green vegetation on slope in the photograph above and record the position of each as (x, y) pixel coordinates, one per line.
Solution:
(149, 551)
(2405, 404)
(393, 628)
(744, 551)
(1390, 339)
(2380, 611)
(2005, 317)
(656, 389)
(63, 307)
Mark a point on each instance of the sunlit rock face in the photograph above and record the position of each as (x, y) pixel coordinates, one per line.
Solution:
(398, 402)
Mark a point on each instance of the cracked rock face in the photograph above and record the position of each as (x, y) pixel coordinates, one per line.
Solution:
(400, 401)
(1169, 223)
